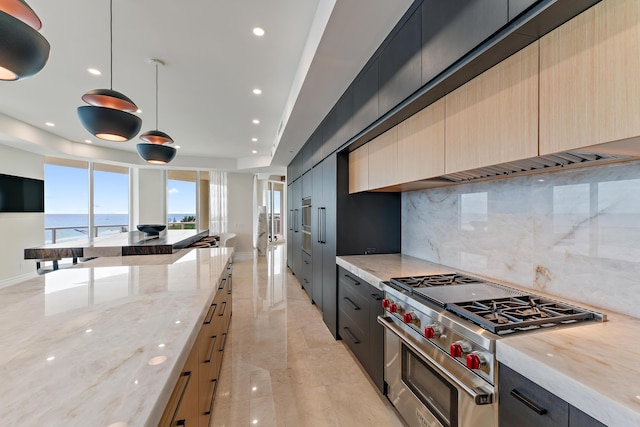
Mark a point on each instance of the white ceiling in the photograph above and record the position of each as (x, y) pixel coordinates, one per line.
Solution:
(311, 52)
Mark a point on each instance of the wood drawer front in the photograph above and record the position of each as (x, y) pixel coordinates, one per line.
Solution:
(522, 401)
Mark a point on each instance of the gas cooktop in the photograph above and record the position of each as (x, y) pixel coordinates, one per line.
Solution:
(496, 308)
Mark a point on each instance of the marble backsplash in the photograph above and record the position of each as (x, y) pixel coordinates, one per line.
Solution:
(574, 233)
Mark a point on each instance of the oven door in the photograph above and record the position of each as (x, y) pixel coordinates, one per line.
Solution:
(430, 389)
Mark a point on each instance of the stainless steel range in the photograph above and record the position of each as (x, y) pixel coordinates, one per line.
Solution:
(440, 335)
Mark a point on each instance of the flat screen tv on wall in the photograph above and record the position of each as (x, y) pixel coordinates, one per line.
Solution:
(18, 194)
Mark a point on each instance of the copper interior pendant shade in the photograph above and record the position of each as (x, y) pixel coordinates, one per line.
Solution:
(109, 113)
(157, 148)
(23, 50)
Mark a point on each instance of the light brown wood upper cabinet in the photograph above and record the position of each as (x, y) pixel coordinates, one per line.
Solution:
(590, 78)
(359, 169)
(493, 118)
(383, 159)
(421, 144)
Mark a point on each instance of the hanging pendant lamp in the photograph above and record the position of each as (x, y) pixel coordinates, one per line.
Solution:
(23, 50)
(156, 149)
(108, 115)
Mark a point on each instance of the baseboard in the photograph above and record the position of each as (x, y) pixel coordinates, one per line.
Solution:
(17, 279)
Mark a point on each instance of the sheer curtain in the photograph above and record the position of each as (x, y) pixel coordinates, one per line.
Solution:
(218, 201)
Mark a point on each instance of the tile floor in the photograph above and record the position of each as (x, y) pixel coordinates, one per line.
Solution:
(281, 365)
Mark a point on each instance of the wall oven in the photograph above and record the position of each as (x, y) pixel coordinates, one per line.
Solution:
(306, 225)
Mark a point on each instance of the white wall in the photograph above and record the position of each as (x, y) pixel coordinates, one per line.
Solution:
(149, 196)
(19, 230)
(240, 210)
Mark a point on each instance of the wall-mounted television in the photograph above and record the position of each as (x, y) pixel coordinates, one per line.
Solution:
(18, 194)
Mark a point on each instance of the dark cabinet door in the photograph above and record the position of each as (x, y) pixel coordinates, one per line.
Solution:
(307, 185)
(525, 404)
(305, 277)
(400, 71)
(516, 7)
(451, 29)
(290, 220)
(376, 338)
(329, 134)
(328, 220)
(306, 152)
(365, 98)
(316, 244)
(344, 112)
(577, 418)
(316, 146)
(297, 227)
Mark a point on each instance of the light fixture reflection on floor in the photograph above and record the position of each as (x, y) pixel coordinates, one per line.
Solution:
(23, 50)
(108, 115)
(156, 148)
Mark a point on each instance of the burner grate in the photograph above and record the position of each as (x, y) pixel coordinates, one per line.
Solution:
(507, 315)
(412, 282)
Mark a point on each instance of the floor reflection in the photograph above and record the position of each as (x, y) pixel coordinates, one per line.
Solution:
(281, 365)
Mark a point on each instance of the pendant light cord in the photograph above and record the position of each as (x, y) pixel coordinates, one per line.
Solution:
(156, 96)
(111, 43)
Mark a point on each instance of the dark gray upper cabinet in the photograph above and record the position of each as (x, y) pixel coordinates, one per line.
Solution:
(344, 111)
(294, 170)
(516, 7)
(315, 142)
(451, 29)
(307, 152)
(329, 134)
(400, 70)
(365, 98)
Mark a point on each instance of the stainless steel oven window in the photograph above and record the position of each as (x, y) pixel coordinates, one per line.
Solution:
(435, 392)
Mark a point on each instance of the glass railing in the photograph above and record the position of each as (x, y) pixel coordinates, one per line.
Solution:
(68, 233)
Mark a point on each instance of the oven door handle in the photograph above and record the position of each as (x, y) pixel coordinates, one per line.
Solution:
(480, 396)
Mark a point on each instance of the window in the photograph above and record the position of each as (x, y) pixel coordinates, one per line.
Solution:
(110, 199)
(181, 199)
(66, 200)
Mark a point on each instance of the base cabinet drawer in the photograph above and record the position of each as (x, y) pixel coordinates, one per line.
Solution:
(359, 305)
(523, 403)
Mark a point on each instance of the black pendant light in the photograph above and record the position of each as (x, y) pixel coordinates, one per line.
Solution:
(156, 149)
(108, 115)
(23, 50)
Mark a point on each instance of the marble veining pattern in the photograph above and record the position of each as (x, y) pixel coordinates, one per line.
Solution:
(76, 344)
(572, 234)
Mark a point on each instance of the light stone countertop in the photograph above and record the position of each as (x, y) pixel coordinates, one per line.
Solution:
(78, 346)
(592, 366)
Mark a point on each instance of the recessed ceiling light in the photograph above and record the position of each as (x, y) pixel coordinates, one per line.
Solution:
(254, 139)
(139, 111)
(256, 121)
(88, 141)
(177, 322)
(50, 124)
(94, 71)
(254, 152)
(176, 147)
(89, 331)
(160, 345)
(258, 31)
(257, 91)
(50, 358)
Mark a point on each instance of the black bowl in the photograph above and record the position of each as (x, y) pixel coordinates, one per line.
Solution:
(151, 228)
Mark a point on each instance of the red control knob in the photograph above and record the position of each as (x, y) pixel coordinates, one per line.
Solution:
(455, 350)
(474, 361)
(429, 332)
(407, 318)
(393, 308)
(386, 303)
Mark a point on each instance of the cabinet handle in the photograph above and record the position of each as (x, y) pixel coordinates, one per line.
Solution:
(323, 228)
(211, 348)
(213, 393)
(376, 297)
(181, 422)
(209, 317)
(224, 308)
(319, 239)
(290, 219)
(186, 377)
(223, 282)
(351, 336)
(230, 284)
(353, 281)
(224, 341)
(295, 225)
(528, 402)
(351, 303)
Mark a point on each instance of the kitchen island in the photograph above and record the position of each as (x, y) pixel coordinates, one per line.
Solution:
(121, 244)
(103, 344)
(591, 366)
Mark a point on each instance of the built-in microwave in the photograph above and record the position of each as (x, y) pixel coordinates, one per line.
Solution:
(306, 225)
